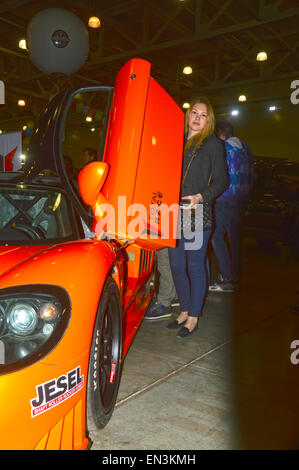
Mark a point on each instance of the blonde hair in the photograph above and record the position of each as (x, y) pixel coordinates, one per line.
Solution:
(198, 138)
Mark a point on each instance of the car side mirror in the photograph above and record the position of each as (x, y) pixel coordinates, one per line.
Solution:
(91, 179)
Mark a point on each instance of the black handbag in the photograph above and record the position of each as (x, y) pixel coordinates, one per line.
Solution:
(197, 219)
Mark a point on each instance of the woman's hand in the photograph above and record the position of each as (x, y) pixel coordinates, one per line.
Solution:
(194, 199)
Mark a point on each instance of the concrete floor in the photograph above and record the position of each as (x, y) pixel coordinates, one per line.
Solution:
(231, 385)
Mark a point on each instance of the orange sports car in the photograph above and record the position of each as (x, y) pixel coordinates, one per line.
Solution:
(76, 262)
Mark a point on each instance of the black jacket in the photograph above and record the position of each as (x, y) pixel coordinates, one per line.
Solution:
(209, 160)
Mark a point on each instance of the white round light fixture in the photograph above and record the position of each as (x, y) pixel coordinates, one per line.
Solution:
(23, 44)
(261, 56)
(187, 70)
(94, 22)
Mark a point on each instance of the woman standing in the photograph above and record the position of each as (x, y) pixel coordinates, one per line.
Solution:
(205, 176)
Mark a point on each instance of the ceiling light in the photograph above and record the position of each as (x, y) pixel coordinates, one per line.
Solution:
(187, 70)
(92, 129)
(23, 44)
(234, 112)
(272, 108)
(94, 22)
(261, 56)
(186, 105)
(21, 103)
(24, 128)
(88, 119)
(242, 98)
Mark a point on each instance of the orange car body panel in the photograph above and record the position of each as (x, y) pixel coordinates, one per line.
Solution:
(145, 124)
(55, 266)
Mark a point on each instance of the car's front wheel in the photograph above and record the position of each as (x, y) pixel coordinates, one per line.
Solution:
(105, 358)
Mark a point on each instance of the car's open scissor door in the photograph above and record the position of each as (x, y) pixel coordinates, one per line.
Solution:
(137, 130)
(144, 153)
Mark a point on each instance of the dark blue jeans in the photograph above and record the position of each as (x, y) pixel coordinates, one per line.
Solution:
(228, 221)
(189, 272)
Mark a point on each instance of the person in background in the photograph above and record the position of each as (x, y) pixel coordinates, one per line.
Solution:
(229, 208)
(166, 297)
(204, 177)
(68, 164)
(89, 155)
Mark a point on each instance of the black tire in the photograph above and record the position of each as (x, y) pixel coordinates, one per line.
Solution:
(105, 358)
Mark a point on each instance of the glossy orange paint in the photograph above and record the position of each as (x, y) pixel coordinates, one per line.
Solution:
(83, 280)
(12, 255)
(143, 155)
(91, 181)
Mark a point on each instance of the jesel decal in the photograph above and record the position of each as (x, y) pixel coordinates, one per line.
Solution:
(55, 391)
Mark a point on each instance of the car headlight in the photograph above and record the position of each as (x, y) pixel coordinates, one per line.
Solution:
(2, 319)
(22, 318)
(32, 321)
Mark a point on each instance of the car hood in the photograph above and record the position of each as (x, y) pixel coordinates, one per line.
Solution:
(10, 256)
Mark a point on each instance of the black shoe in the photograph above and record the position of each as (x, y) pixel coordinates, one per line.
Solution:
(175, 324)
(185, 332)
(157, 311)
(223, 286)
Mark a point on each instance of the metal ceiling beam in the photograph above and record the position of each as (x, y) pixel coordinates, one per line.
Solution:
(285, 56)
(41, 96)
(190, 36)
(257, 40)
(272, 31)
(232, 38)
(198, 14)
(237, 65)
(115, 10)
(220, 12)
(146, 23)
(241, 83)
(167, 23)
(119, 27)
(291, 49)
(161, 13)
(7, 5)
(12, 23)
(245, 54)
(222, 31)
(11, 52)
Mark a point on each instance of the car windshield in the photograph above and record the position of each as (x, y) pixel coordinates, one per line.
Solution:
(34, 216)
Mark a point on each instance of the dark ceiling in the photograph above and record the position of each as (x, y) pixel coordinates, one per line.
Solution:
(218, 38)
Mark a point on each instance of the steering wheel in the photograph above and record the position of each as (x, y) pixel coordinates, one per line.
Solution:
(33, 232)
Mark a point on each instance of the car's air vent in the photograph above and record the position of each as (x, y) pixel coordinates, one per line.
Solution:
(145, 261)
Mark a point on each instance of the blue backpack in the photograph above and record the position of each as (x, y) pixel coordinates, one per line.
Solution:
(240, 167)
